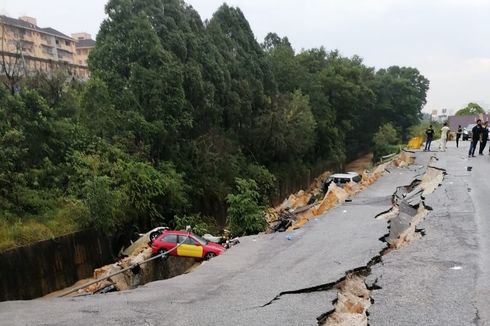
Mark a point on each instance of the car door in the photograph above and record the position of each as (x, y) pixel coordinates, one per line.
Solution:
(168, 242)
(189, 247)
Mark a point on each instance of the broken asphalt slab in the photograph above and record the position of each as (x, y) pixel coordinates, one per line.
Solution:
(442, 278)
(235, 288)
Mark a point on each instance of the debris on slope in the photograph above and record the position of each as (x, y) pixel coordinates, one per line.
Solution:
(299, 208)
(124, 281)
(405, 158)
(294, 201)
(138, 272)
(360, 164)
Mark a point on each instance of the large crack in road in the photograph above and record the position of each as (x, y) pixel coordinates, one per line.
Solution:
(351, 307)
(408, 211)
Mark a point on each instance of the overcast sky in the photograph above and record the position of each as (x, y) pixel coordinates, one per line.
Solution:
(447, 40)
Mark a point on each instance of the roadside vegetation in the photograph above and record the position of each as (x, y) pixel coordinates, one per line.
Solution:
(419, 129)
(386, 141)
(185, 121)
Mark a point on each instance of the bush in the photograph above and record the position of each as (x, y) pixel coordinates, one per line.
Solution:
(245, 215)
(102, 205)
(385, 141)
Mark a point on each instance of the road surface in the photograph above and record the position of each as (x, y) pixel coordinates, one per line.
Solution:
(440, 279)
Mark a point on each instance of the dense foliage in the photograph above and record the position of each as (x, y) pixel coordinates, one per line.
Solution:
(176, 110)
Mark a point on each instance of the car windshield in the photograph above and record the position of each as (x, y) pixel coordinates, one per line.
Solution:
(201, 240)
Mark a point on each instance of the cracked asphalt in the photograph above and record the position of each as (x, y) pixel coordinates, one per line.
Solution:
(441, 279)
(444, 277)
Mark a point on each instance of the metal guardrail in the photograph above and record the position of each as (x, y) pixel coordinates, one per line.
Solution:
(388, 156)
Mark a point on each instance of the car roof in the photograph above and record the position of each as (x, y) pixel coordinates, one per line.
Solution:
(343, 175)
(176, 232)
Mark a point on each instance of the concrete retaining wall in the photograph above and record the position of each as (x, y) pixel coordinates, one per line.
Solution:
(44, 267)
(38, 269)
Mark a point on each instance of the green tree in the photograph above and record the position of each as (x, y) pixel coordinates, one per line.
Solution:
(145, 81)
(155, 195)
(287, 131)
(245, 215)
(285, 66)
(471, 109)
(401, 94)
(104, 205)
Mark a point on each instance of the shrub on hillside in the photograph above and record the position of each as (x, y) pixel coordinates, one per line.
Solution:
(245, 215)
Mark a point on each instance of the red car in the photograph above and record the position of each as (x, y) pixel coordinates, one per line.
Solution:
(192, 245)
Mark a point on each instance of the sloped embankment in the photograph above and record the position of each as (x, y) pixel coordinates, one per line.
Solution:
(303, 206)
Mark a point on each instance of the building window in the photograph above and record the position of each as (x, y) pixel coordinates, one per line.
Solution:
(67, 43)
(57, 42)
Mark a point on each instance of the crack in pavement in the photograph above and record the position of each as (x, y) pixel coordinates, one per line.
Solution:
(349, 309)
(353, 294)
(477, 318)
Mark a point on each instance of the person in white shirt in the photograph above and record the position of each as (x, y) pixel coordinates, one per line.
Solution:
(444, 136)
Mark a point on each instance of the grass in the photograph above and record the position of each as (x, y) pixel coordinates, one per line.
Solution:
(21, 231)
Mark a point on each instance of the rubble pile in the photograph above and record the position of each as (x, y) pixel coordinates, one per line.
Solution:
(353, 301)
(140, 275)
(405, 158)
(294, 201)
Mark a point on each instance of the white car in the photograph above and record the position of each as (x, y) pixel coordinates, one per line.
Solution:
(340, 179)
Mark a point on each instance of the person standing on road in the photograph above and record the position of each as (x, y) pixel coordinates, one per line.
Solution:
(459, 133)
(484, 137)
(444, 136)
(475, 138)
(429, 137)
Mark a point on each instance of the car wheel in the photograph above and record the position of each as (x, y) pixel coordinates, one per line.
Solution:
(209, 255)
(154, 235)
(163, 251)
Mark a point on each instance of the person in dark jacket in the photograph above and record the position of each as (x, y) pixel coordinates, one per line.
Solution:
(429, 137)
(484, 137)
(459, 133)
(475, 138)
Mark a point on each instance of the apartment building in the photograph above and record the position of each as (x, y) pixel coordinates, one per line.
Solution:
(28, 48)
(84, 44)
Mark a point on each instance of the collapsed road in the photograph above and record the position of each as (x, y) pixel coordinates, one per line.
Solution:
(397, 254)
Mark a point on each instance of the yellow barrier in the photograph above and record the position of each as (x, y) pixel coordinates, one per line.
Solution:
(415, 143)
